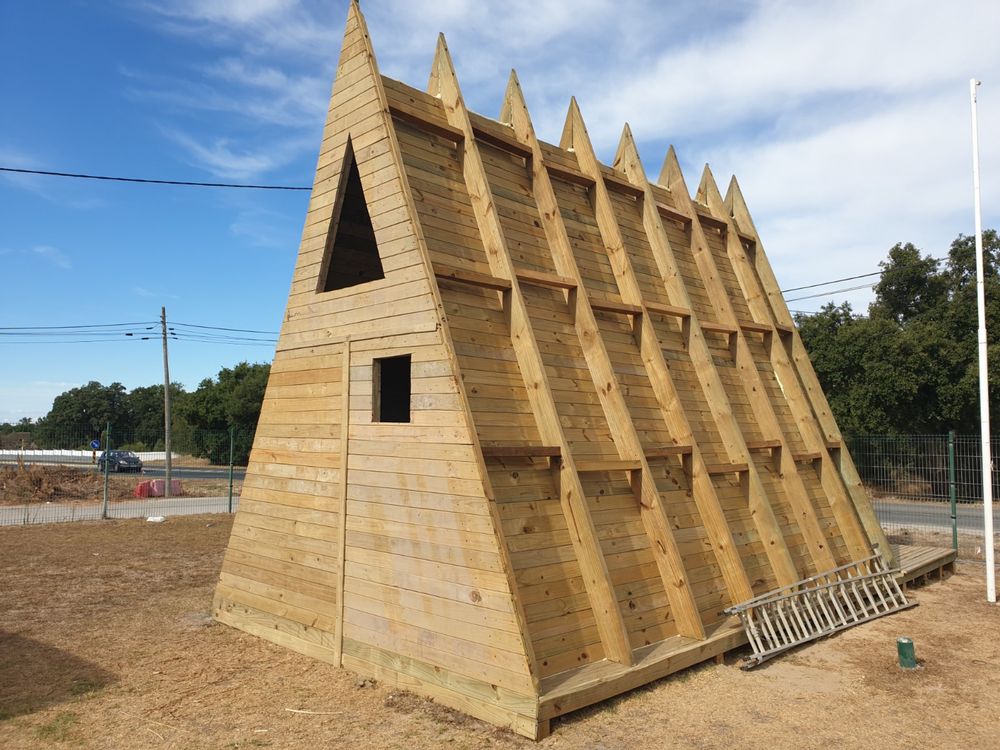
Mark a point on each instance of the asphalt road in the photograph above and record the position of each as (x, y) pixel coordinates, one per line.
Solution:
(935, 516)
(156, 472)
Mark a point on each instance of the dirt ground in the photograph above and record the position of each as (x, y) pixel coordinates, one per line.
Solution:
(106, 642)
(66, 484)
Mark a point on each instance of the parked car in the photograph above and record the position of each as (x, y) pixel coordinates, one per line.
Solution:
(119, 461)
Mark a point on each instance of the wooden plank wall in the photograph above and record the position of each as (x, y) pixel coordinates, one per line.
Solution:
(612, 436)
(426, 596)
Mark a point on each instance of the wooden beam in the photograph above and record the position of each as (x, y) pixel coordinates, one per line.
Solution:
(614, 307)
(418, 120)
(583, 534)
(345, 434)
(657, 369)
(666, 451)
(677, 312)
(763, 445)
(763, 412)
(608, 464)
(521, 451)
(471, 277)
(669, 213)
(716, 469)
(652, 512)
(628, 161)
(569, 175)
(540, 278)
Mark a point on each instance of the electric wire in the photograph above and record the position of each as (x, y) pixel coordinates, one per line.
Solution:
(143, 180)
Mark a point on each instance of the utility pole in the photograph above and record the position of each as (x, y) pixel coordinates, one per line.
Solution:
(166, 402)
(984, 389)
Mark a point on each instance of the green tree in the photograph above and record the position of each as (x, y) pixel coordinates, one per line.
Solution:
(231, 400)
(911, 365)
(146, 406)
(81, 414)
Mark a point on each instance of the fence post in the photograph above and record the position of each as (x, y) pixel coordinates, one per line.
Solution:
(107, 456)
(231, 440)
(952, 494)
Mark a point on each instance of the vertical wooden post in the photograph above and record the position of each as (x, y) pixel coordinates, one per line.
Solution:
(166, 406)
(345, 431)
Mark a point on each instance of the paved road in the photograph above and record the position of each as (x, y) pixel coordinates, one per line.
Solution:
(935, 516)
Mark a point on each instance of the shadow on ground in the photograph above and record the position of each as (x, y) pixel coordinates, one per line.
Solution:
(34, 675)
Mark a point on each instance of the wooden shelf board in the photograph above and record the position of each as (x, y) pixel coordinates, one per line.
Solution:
(610, 464)
(677, 312)
(673, 215)
(417, 119)
(712, 327)
(471, 277)
(669, 450)
(715, 469)
(521, 451)
(756, 327)
(809, 456)
(569, 175)
(761, 445)
(540, 278)
(605, 305)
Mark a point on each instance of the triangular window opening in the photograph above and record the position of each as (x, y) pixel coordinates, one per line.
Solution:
(351, 256)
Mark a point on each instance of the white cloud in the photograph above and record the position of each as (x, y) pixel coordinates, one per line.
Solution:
(53, 256)
(846, 121)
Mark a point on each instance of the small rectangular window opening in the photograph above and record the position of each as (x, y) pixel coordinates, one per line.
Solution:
(392, 389)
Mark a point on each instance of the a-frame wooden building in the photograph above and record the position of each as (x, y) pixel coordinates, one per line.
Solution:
(533, 421)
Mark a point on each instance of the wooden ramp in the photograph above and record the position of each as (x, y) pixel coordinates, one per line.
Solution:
(534, 421)
(920, 562)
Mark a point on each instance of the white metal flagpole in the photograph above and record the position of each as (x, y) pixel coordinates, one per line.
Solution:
(984, 389)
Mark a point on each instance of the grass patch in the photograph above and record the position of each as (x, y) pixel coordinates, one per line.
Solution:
(60, 729)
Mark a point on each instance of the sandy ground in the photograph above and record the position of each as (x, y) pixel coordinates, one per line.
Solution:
(106, 642)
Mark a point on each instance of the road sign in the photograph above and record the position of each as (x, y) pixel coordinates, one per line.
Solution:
(95, 444)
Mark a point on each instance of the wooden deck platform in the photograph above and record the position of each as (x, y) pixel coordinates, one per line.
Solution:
(919, 562)
(592, 683)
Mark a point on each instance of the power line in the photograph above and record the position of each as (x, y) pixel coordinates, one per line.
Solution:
(219, 328)
(832, 281)
(183, 183)
(830, 292)
(86, 325)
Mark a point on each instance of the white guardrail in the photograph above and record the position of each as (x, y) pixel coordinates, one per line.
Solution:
(71, 456)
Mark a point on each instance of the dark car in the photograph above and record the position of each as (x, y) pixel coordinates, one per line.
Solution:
(119, 461)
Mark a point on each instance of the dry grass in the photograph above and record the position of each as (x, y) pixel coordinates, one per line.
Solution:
(106, 642)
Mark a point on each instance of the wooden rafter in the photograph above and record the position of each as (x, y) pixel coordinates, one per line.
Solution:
(627, 160)
(652, 512)
(804, 380)
(600, 590)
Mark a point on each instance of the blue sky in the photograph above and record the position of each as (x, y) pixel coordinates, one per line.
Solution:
(847, 124)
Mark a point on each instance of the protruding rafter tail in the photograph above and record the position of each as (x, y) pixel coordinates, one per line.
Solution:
(574, 127)
(671, 176)
(708, 190)
(627, 154)
(512, 92)
(441, 68)
(737, 206)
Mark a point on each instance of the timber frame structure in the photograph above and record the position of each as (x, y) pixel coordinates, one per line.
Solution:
(533, 421)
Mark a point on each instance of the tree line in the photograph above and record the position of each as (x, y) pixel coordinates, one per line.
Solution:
(201, 419)
(910, 365)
